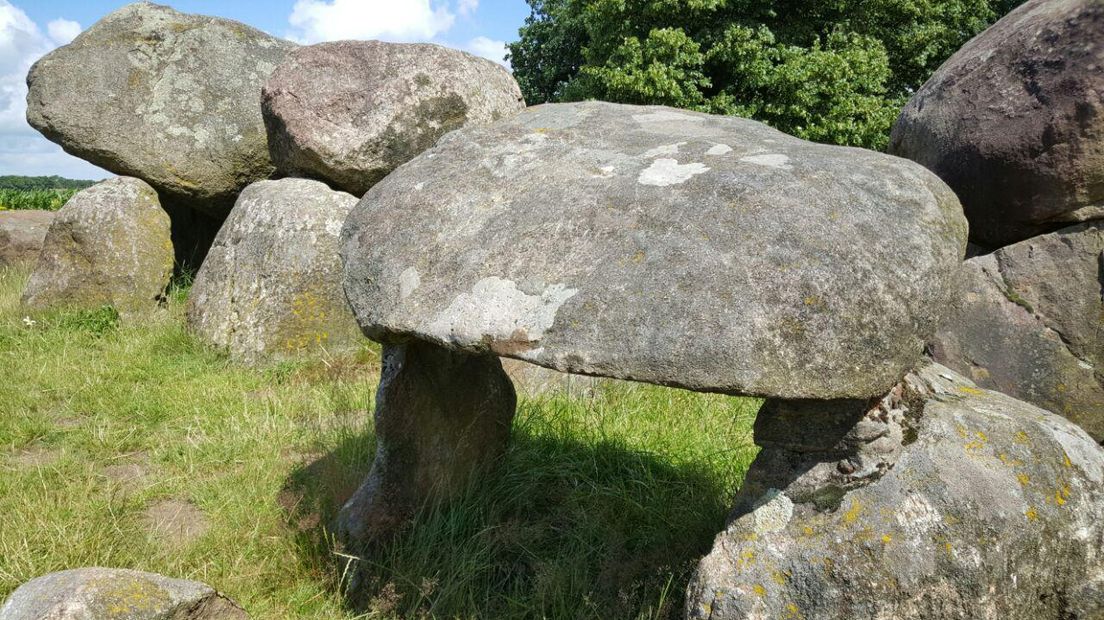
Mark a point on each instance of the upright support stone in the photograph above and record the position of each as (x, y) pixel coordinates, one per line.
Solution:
(441, 418)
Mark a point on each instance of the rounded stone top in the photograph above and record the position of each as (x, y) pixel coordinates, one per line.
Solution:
(350, 112)
(1014, 122)
(168, 97)
(659, 245)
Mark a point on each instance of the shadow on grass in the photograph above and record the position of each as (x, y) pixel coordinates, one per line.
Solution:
(564, 528)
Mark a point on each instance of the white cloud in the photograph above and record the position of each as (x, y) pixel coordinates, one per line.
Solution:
(488, 48)
(313, 21)
(466, 7)
(22, 149)
(62, 31)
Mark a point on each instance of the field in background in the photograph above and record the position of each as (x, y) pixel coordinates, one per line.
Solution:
(43, 193)
(134, 446)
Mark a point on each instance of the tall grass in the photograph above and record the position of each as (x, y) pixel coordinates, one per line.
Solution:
(39, 199)
(601, 507)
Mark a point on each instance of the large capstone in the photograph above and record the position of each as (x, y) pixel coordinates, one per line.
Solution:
(271, 285)
(116, 594)
(168, 97)
(1014, 122)
(350, 112)
(21, 236)
(707, 252)
(1031, 324)
(109, 245)
(944, 501)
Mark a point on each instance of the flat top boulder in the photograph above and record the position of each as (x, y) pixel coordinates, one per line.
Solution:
(659, 245)
(350, 112)
(168, 97)
(1014, 122)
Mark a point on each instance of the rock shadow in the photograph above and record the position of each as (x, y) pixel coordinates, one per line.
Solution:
(562, 528)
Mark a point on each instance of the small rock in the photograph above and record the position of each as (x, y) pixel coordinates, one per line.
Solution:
(1012, 122)
(116, 594)
(109, 245)
(271, 285)
(21, 235)
(350, 112)
(175, 522)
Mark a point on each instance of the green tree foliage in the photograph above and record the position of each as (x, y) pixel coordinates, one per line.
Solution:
(826, 70)
(39, 183)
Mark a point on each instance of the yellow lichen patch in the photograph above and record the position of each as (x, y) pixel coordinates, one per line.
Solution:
(1066, 460)
(781, 577)
(1023, 479)
(791, 612)
(1031, 514)
(1061, 494)
(962, 431)
(887, 538)
(808, 531)
(1021, 437)
(638, 257)
(965, 389)
(759, 590)
(853, 513)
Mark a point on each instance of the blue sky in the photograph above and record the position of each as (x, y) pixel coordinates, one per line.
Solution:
(31, 28)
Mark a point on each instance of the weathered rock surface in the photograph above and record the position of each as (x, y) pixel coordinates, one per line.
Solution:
(1014, 122)
(665, 246)
(21, 235)
(168, 97)
(1032, 324)
(109, 245)
(271, 284)
(116, 594)
(350, 112)
(537, 381)
(986, 507)
(441, 418)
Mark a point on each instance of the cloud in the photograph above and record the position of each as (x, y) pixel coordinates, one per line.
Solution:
(488, 48)
(62, 31)
(313, 21)
(466, 7)
(22, 149)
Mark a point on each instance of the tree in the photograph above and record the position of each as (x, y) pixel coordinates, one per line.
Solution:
(833, 71)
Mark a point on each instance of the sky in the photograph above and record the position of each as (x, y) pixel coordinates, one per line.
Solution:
(31, 28)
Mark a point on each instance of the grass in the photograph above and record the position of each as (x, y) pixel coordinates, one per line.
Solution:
(42, 199)
(601, 507)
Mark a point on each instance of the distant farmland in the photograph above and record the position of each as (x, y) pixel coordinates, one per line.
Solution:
(46, 193)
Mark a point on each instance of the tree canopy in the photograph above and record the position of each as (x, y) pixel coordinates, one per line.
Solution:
(833, 71)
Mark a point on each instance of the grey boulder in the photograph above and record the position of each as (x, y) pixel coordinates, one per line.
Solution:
(1031, 324)
(350, 112)
(271, 284)
(1013, 122)
(993, 509)
(109, 245)
(116, 594)
(706, 252)
(168, 97)
(21, 235)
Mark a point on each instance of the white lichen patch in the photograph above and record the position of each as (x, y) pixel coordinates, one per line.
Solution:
(605, 172)
(497, 310)
(917, 514)
(666, 171)
(719, 149)
(667, 149)
(409, 281)
(773, 513)
(773, 160)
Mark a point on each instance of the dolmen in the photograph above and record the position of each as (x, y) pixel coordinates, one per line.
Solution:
(719, 255)
(1012, 123)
